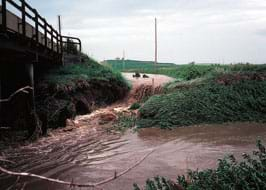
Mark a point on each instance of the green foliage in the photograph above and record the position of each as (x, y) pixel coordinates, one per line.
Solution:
(135, 106)
(125, 122)
(249, 174)
(206, 103)
(90, 70)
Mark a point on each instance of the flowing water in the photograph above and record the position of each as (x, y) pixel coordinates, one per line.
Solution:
(91, 153)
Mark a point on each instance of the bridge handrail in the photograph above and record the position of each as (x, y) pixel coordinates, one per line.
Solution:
(55, 39)
(72, 40)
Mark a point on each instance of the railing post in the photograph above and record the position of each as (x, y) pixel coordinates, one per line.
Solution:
(3, 15)
(57, 42)
(61, 44)
(36, 26)
(23, 17)
(52, 39)
(45, 33)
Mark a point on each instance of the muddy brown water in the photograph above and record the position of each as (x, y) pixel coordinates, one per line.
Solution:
(91, 153)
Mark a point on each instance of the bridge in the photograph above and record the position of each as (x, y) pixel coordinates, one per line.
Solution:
(29, 45)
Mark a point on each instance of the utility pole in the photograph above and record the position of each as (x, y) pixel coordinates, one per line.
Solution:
(156, 44)
(59, 25)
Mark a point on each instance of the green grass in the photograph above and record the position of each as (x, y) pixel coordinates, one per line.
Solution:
(248, 174)
(90, 70)
(126, 65)
(181, 72)
(124, 122)
(205, 102)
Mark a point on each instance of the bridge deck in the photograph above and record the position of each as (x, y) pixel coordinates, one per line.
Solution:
(29, 34)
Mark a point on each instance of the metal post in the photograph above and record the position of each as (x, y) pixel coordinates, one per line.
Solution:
(23, 17)
(3, 15)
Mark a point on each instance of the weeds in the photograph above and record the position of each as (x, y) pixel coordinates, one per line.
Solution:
(135, 106)
(90, 70)
(125, 121)
(206, 104)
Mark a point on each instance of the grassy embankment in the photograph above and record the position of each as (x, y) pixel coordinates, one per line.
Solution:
(223, 94)
(77, 89)
(206, 94)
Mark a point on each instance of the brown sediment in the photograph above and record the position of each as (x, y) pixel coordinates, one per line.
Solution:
(90, 153)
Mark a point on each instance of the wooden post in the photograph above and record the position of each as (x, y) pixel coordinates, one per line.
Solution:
(23, 17)
(57, 42)
(62, 51)
(59, 25)
(156, 49)
(45, 34)
(36, 26)
(52, 39)
(3, 15)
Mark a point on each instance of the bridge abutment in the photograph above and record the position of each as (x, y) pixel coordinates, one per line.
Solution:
(17, 110)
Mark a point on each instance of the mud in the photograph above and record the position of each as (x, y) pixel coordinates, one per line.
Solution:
(88, 152)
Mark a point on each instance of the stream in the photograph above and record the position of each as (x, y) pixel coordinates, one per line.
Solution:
(90, 153)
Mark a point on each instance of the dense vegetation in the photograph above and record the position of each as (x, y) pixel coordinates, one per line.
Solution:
(77, 89)
(90, 70)
(209, 94)
(209, 103)
(249, 174)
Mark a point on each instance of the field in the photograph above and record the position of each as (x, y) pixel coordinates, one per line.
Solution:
(181, 72)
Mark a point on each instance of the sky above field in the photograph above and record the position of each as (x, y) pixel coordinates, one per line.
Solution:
(205, 31)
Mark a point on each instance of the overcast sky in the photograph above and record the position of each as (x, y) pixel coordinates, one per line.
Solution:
(189, 30)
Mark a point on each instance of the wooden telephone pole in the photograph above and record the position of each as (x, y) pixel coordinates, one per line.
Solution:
(59, 25)
(156, 44)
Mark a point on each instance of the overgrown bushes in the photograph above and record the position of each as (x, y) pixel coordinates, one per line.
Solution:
(249, 174)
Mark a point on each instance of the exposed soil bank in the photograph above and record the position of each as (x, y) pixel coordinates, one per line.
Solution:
(60, 104)
(86, 151)
(78, 89)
